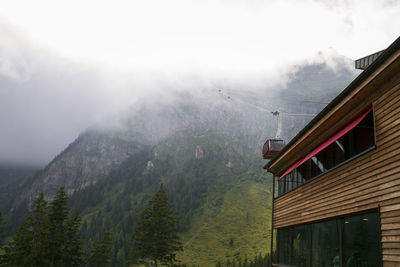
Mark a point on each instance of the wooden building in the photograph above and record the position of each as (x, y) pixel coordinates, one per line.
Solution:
(338, 200)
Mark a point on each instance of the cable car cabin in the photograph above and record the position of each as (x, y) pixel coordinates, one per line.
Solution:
(272, 147)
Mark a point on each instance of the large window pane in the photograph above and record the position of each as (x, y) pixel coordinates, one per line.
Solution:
(283, 237)
(348, 140)
(299, 246)
(364, 132)
(325, 244)
(346, 242)
(280, 187)
(361, 241)
(338, 152)
(302, 170)
(292, 246)
(316, 166)
(325, 158)
(289, 179)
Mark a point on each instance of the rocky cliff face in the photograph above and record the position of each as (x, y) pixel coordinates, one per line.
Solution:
(88, 159)
(12, 178)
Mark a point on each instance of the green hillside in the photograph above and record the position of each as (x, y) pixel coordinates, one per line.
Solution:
(221, 197)
(237, 228)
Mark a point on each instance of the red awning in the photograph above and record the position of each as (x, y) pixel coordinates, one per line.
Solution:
(335, 137)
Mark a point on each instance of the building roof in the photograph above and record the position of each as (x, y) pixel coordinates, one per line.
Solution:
(359, 80)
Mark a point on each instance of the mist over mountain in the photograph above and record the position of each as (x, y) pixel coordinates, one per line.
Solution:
(48, 100)
(204, 145)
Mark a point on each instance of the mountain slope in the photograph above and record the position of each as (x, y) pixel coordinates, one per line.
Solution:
(238, 229)
(12, 178)
(88, 159)
(204, 147)
(198, 172)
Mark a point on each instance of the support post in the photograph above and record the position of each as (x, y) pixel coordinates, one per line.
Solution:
(272, 218)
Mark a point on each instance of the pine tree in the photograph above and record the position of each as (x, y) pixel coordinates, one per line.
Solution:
(156, 235)
(259, 261)
(65, 242)
(267, 260)
(1, 227)
(40, 233)
(47, 237)
(73, 243)
(102, 251)
(58, 216)
(30, 245)
(3, 247)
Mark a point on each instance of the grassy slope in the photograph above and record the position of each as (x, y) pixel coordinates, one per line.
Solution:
(239, 228)
(225, 209)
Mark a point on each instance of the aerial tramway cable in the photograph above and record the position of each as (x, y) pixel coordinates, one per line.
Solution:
(274, 145)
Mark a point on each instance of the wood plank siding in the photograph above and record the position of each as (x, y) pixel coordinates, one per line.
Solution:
(368, 182)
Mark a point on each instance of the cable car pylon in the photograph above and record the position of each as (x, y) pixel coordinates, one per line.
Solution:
(273, 145)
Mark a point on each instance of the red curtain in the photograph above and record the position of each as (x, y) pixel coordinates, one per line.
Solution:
(335, 137)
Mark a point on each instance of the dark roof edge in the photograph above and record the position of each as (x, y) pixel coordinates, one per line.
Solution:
(357, 81)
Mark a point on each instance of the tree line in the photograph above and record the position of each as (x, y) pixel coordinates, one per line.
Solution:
(50, 236)
(258, 261)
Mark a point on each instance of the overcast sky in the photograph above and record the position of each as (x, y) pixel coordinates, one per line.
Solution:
(65, 65)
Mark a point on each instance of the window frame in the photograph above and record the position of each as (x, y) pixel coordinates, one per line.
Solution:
(309, 236)
(330, 170)
(349, 138)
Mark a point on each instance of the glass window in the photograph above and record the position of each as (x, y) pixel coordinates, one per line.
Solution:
(354, 142)
(348, 141)
(317, 165)
(361, 241)
(285, 186)
(364, 132)
(289, 180)
(325, 244)
(347, 242)
(283, 245)
(299, 246)
(325, 158)
(299, 177)
(302, 169)
(338, 151)
(309, 170)
(292, 247)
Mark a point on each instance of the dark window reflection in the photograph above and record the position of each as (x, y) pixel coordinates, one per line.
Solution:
(361, 241)
(292, 247)
(284, 249)
(299, 245)
(347, 242)
(325, 244)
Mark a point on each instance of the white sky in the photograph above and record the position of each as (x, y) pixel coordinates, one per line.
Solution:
(64, 65)
(235, 36)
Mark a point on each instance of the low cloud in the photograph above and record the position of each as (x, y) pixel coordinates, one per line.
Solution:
(67, 66)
